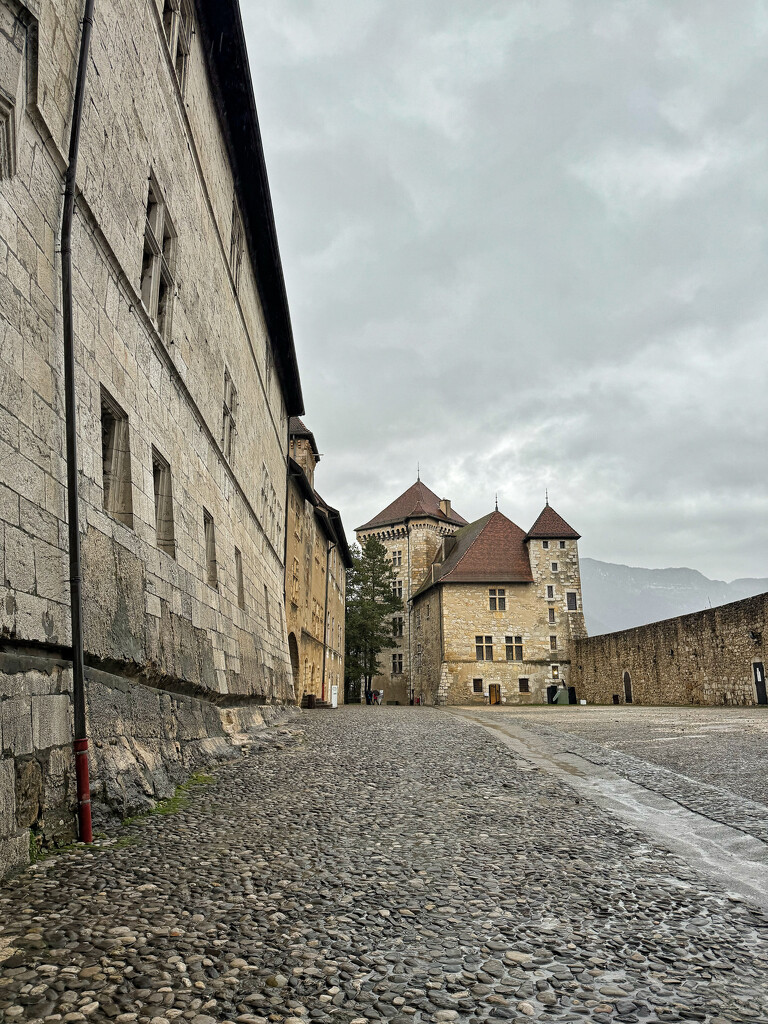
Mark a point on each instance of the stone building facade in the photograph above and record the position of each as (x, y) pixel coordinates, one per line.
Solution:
(490, 611)
(715, 656)
(186, 379)
(411, 529)
(317, 558)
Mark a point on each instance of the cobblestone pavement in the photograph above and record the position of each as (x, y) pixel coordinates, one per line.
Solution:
(725, 747)
(710, 760)
(384, 864)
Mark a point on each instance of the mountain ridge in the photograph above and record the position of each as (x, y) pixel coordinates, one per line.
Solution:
(617, 597)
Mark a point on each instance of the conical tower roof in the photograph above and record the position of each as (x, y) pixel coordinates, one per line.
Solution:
(418, 500)
(551, 526)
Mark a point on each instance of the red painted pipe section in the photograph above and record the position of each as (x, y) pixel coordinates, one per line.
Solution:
(83, 792)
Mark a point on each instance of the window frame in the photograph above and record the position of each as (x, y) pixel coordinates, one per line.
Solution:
(483, 647)
(157, 285)
(117, 485)
(165, 535)
(571, 594)
(514, 648)
(211, 565)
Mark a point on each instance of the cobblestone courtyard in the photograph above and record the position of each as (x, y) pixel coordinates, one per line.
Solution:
(380, 864)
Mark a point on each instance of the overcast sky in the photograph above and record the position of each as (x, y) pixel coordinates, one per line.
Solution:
(526, 245)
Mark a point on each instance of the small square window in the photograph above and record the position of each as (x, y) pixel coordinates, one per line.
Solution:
(550, 593)
(545, 544)
(555, 671)
(555, 567)
(553, 643)
(571, 600)
(524, 685)
(562, 544)
(477, 686)
(551, 614)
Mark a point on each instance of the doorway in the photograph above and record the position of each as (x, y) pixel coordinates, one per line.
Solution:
(627, 688)
(759, 672)
(494, 693)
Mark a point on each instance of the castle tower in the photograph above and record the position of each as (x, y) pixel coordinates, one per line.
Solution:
(411, 529)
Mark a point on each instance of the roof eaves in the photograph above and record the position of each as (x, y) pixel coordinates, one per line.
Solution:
(226, 56)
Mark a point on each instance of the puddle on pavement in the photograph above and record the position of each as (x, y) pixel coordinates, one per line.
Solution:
(739, 862)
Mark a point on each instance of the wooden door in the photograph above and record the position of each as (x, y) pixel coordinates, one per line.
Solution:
(494, 693)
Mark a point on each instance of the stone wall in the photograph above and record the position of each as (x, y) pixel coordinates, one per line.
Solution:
(706, 657)
(143, 743)
(462, 611)
(185, 638)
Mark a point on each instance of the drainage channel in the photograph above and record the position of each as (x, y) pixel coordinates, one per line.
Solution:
(737, 861)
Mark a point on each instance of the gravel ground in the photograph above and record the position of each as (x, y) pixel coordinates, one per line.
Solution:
(724, 747)
(378, 864)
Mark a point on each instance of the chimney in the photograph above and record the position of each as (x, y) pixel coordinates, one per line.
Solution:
(445, 507)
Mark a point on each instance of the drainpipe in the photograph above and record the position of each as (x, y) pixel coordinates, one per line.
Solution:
(328, 549)
(85, 830)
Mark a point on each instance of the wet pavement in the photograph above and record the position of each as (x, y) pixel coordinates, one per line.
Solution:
(401, 864)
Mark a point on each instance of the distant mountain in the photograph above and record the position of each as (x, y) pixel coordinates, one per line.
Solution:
(620, 596)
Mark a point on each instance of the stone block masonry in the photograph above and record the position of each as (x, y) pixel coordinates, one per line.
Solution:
(185, 382)
(144, 742)
(715, 656)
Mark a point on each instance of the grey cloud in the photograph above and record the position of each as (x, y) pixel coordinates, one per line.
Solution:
(526, 244)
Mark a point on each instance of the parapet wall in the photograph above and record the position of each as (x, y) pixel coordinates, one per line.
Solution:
(706, 657)
(143, 742)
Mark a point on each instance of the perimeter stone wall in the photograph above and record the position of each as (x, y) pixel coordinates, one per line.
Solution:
(706, 657)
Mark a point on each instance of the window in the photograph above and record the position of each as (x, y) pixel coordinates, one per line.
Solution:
(426, 610)
(553, 643)
(397, 588)
(177, 22)
(550, 593)
(514, 645)
(483, 648)
(562, 544)
(229, 431)
(545, 544)
(267, 616)
(239, 579)
(555, 671)
(236, 243)
(397, 625)
(397, 558)
(417, 616)
(571, 600)
(524, 685)
(161, 478)
(115, 461)
(397, 664)
(477, 686)
(295, 582)
(159, 262)
(496, 599)
(555, 567)
(211, 574)
(551, 614)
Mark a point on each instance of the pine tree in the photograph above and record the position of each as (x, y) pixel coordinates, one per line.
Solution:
(370, 603)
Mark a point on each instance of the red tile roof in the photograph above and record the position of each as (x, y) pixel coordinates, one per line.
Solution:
(551, 526)
(418, 500)
(490, 550)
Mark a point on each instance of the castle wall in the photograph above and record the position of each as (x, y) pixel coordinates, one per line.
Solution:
(154, 613)
(706, 658)
(466, 614)
(411, 547)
